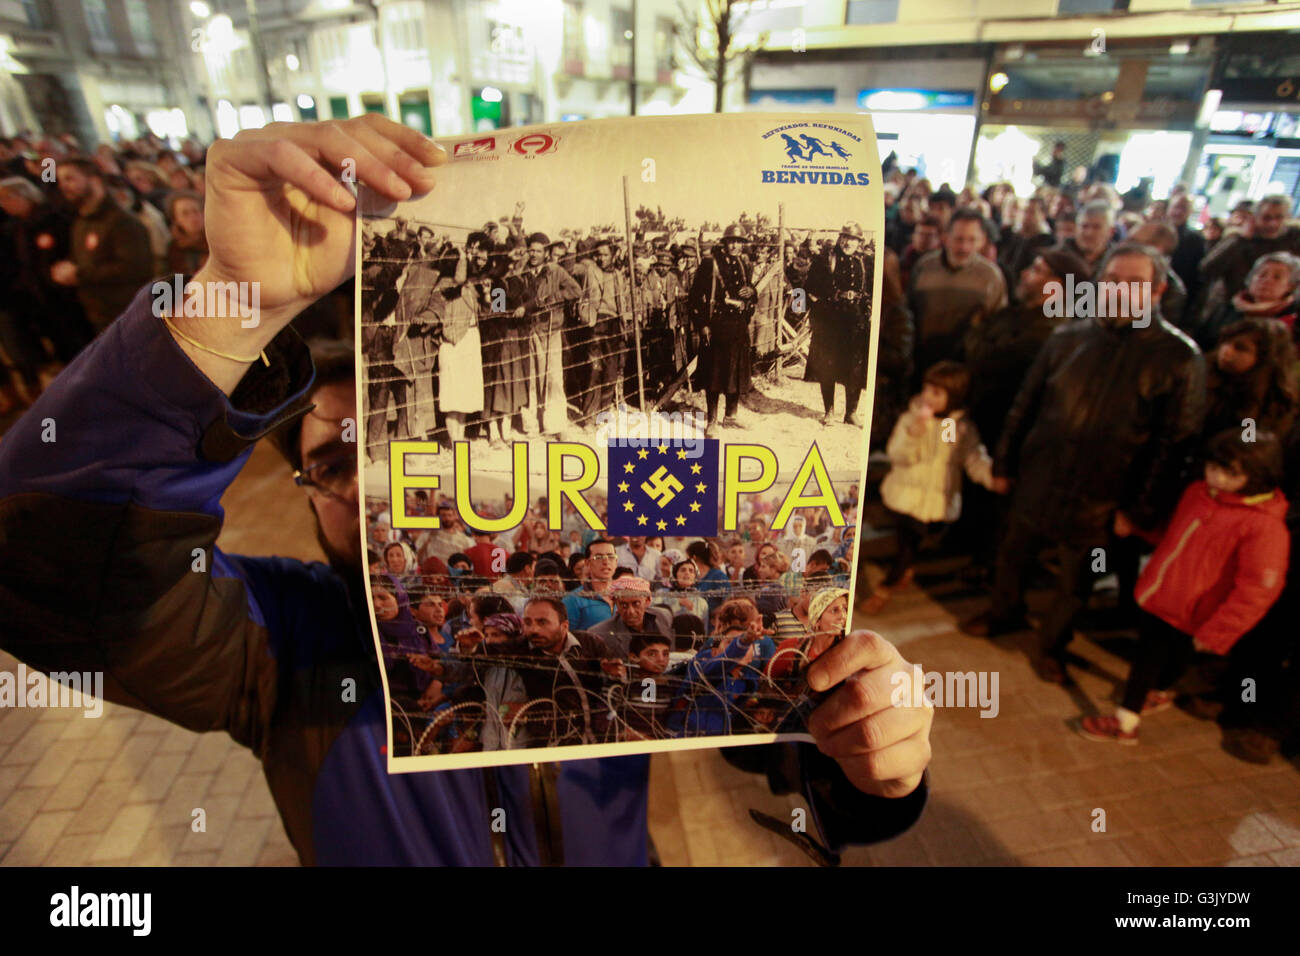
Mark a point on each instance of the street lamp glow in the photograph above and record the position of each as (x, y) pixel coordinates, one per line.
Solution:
(491, 94)
(998, 82)
(291, 61)
(305, 102)
(200, 9)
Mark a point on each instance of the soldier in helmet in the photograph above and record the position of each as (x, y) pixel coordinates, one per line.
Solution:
(838, 288)
(722, 302)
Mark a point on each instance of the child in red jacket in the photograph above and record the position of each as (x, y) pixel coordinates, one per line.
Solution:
(1217, 568)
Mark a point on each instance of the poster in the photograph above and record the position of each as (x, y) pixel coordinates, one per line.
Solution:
(606, 508)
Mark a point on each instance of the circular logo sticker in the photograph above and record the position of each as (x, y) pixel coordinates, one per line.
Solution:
(534, 144)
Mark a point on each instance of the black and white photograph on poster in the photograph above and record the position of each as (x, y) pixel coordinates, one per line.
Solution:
(581, 299)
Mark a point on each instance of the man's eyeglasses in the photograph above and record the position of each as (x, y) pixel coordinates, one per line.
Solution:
(332, 477)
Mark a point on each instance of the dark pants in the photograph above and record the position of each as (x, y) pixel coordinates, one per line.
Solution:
(1016, 556)
(1164, 653)
(577, 367)
(732, 403)
(851, 396)
(605, 359)
(385, 380)
(910, 531)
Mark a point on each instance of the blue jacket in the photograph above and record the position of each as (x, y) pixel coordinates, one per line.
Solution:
(144, 447)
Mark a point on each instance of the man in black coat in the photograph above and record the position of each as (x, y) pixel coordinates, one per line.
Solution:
(722, 302)
(839, 297)
(1098, 427)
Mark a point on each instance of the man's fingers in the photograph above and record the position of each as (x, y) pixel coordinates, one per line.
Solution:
(878, 732)
(861, 695)
(900, 761)
(339, 149)
(421, 152)
(263, 160)
(861, 650)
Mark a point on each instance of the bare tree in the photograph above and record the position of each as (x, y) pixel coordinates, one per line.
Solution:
(708, 37)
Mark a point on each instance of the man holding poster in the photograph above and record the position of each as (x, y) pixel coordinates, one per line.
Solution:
(155, 420)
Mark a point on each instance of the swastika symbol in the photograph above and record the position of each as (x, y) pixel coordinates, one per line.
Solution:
(661, 486)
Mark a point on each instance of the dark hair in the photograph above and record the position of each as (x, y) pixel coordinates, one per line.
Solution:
(823, 556)
(460, 556)
(595, 541)
(640, 642)
(622, 572)
(335, 361)
(736, 612)
(83, 164)
(518, 561)
(485, 605)
(395, 544)
(373, 557)
(1269, 390)
(552, 602)
(930, 220)
(953, 378)
(1260, 460)
(700, 551)
(967, 214)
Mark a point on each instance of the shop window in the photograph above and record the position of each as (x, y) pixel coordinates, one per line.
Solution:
(575, 49)
(772, 15)
(1090, 6)
(665, 50)
(620, 43)
(99, 26)
(338, 107)
(871, 11)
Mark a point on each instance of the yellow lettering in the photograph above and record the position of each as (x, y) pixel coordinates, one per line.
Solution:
(813, 467)
(559, 487)
(734, 486)
(464, 499)
(399, 481)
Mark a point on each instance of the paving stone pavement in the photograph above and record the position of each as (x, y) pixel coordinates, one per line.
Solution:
(1018, 789)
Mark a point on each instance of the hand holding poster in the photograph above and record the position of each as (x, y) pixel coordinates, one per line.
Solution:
(607, 469)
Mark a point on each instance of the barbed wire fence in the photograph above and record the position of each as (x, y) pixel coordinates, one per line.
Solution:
(598, 369)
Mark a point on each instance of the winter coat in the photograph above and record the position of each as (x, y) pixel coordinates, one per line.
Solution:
(924, 479)
(1102, 421)
(1219, 565)
(999, 353)
(839, 287)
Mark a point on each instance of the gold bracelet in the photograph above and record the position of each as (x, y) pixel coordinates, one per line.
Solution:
(207, 348)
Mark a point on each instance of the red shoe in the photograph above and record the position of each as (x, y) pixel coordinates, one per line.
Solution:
(1157, 700)
(1106, 730)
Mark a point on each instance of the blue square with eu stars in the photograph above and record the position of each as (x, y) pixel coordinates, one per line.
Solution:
(664, 487)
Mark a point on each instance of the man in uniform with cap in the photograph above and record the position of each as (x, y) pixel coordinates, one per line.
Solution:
(721, 303)
(839, 293)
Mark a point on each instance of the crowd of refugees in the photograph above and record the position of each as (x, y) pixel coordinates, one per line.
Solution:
(1153, 440)
(546, 331)
(596, 639)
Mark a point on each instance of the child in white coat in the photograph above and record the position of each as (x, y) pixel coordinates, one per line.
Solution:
(932, 443)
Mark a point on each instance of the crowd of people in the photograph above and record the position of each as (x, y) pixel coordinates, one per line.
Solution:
(1043, 441)
(535, 637)
(1010, 427)
(81, 233)
(546, 331)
